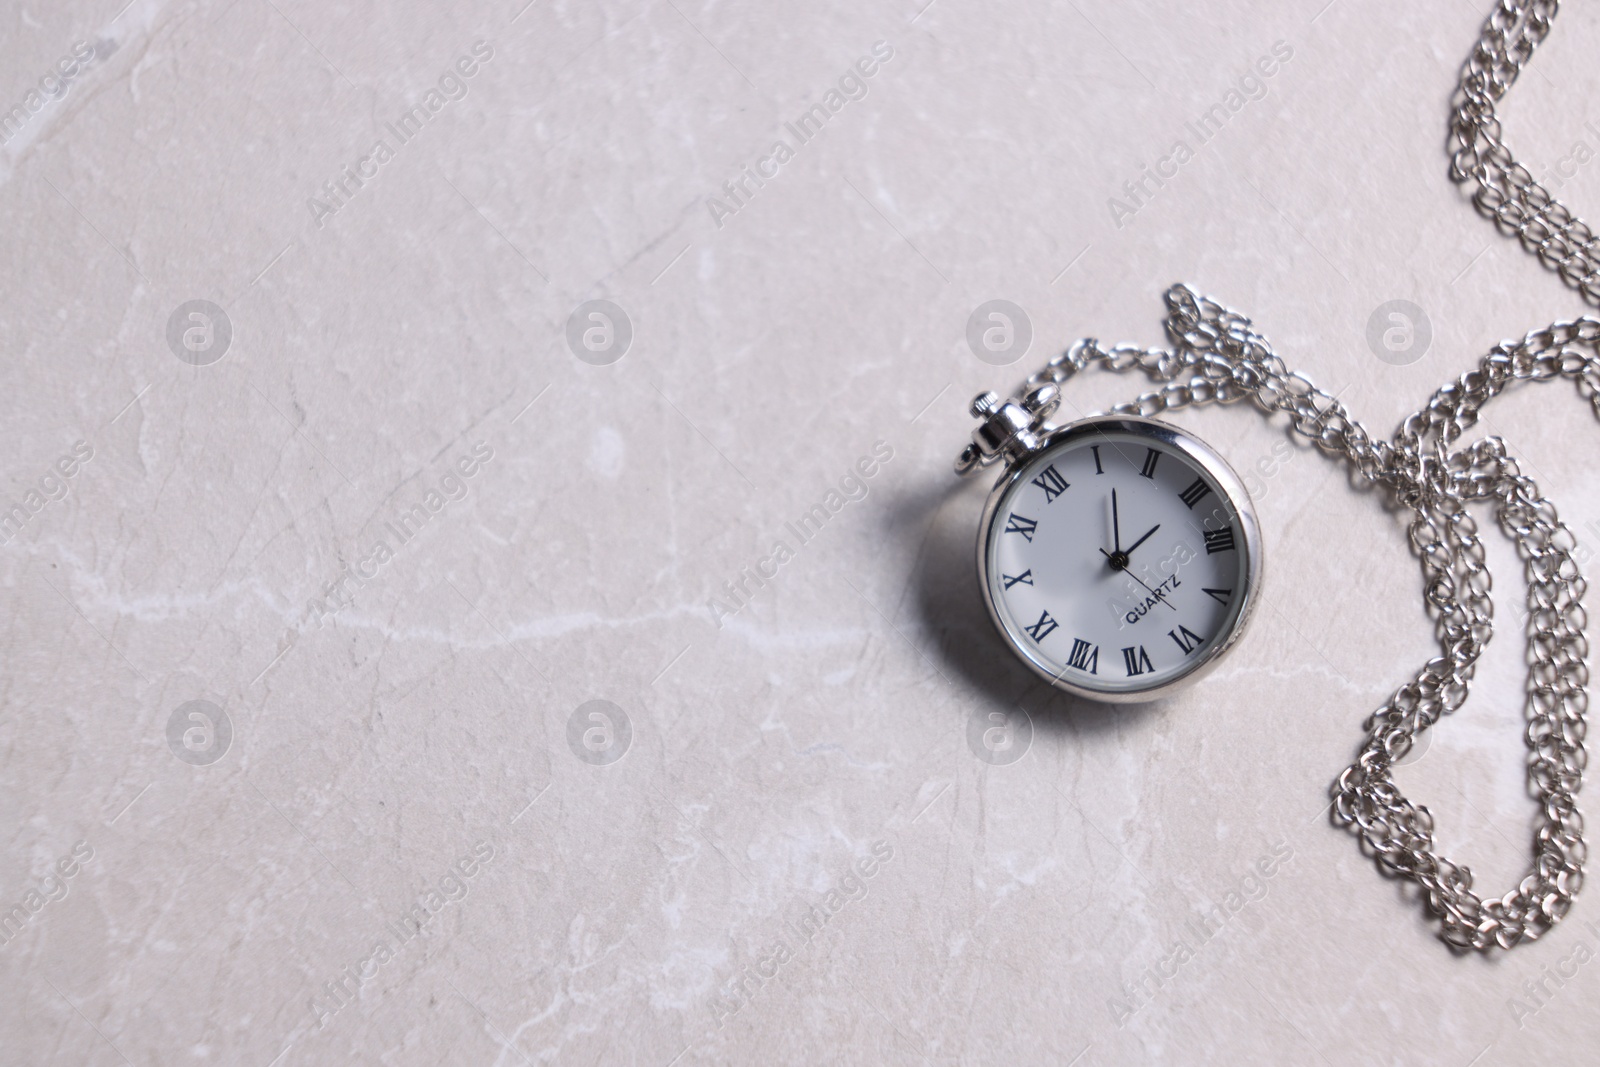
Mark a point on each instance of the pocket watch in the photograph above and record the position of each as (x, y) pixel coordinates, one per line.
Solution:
(1119, 556)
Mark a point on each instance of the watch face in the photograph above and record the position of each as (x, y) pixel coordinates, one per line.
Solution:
(1121, 559)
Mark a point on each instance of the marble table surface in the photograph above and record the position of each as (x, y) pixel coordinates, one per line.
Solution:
(411, 653)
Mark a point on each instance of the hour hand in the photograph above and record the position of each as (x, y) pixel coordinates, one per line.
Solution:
(1129, 550)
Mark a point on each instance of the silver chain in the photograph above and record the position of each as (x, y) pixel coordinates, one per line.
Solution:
(1218, 357)
(1504, 190)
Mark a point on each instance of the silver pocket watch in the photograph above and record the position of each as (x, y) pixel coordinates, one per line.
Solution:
(1119, 556)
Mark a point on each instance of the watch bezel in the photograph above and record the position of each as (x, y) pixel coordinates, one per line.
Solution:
(1197, 452)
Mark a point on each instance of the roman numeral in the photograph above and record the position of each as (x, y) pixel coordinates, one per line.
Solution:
(1191, 496)
(1187, 639)
(1025, 527)
(1041, 629)
(1096, 450)
(1084, 656)
(1136, 660)
(1216, 540)
(1221, 596)
(1052, 483)
(1025, 578)
(1149, 468)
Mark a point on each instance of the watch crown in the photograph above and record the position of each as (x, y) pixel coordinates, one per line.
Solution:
(984, 405)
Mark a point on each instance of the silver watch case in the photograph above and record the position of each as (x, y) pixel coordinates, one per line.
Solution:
(1199, 453)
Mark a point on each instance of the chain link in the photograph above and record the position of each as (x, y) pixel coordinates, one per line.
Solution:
(1218, 357)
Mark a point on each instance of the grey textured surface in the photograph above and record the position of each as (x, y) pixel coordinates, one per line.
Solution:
(779, 842)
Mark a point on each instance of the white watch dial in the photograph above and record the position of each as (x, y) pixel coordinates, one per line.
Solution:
(1116, 563)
